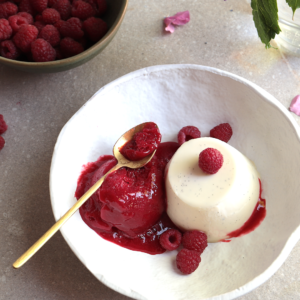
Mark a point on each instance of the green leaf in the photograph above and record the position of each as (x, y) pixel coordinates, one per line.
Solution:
(265, 17)
(294, 4)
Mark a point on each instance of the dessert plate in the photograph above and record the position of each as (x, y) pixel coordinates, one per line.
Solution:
(174, 96)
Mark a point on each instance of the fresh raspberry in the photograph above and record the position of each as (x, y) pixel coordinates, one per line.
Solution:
(50, 34)
(9, 50)
(39, 25)
(42, 51)
(3, 125)
(170, 239)
(25, 6)
(16, 22)
(64, 8)
(50, 16)
(51, 2)
(39, 18)
(27, 16)
(194, 240)
(95, 28)
(102, 6)
(222, 132)
(8, 9)
(188, 133)
(58, 24)
(58, 54)
(70, 47)
(72, 28)
(5, 30)
(39, 5)
(25, 36)
(210, 160)
(187, 261)
(2, 142)
(82, 10)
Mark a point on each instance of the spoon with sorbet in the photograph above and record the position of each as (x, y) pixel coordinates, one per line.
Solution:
(134, 149)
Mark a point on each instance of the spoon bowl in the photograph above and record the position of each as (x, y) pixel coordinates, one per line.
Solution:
(122, 162)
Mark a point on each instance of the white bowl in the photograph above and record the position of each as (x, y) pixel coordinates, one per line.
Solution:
(174, 96)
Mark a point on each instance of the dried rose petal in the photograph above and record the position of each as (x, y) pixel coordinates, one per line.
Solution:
(180, 18)
(295, 105)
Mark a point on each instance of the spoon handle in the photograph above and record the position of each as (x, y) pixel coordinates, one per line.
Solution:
(39, 243)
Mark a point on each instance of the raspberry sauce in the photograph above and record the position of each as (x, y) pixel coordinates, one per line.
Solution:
(129, 208)
(258, 215)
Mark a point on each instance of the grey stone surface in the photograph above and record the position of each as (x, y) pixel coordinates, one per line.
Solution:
(36, 107)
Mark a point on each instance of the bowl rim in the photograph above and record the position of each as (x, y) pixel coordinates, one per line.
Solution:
(292, 240)
(81, 56)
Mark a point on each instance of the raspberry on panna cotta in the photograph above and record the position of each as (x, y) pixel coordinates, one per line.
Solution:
(216, 204)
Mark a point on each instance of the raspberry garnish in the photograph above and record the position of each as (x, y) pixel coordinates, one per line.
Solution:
(194, 240)
(64, 8)
(210, 160)
(50, 34)
(188, 133)
(50, 16)
(95, 28)
(170, 239)
(39, 5)
(102, 6)
(2, 142)
(71, 28)
(16, 22)
(25, 36)
(82, 10)
(3, 125)
(25, 6)
(70, 47)
(27, 16)
(9, 50)
(222, 132)
(8, 9)
(5, 30)
(187, 261)
(42, 51)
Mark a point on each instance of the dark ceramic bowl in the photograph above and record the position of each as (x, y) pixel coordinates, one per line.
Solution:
(114, 17)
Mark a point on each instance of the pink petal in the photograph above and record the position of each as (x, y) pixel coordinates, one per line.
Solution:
(295, 105)
(180, 18)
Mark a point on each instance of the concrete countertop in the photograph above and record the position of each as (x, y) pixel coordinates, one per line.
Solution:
(36, 107)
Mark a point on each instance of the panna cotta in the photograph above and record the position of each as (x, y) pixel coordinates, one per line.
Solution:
(216, 204)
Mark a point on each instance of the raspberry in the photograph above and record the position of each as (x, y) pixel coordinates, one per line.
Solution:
(170, 239)
(194, 240)
(72, 28)
(25, 36)
(102, 6)
(9, 50)
(2, 142)
(187, 261)
(3, 125)
(188, 133)
(50, 16)
(222, 132)
(51, 2)
(16, 22)
(25, 6)
(5, 30)
(82, 10)
(42, 51)
(64, 8)
(70, 47)
(27, 16)
(58, 54)
(50, 34)
(210, 160)
(39, 25)
(8, 9)
(39, 18)
(95, 28)
(39, 5)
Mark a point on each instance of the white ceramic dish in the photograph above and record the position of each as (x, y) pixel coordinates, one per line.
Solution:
(174, 96)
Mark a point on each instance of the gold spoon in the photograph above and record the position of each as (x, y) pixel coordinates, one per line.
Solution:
(122, 162)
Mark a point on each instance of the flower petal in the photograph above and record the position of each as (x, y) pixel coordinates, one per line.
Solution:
(180, 18)
(295, 105)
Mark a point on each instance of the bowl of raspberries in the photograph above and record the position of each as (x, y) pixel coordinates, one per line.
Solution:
(56, 35)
